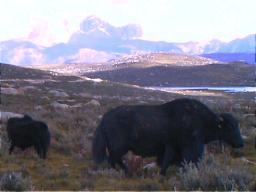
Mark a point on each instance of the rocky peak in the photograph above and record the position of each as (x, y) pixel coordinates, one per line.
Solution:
(93, 23)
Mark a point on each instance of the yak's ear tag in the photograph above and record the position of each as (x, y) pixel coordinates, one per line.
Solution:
(221, 120)
(107, 151)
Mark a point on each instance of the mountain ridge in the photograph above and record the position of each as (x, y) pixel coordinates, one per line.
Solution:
(109, 42)
(249, 58)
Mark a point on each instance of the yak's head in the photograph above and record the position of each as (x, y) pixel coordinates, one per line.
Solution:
(229, 130)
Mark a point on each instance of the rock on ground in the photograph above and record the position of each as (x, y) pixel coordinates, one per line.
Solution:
(10, 91)
(58, 93)
(57, 105)
(4, 116)
(94, 103)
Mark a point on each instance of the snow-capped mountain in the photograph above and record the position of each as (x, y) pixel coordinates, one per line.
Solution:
(95, 27)
(99, 41)
(241, 45)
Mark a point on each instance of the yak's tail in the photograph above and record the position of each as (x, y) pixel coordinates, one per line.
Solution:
(99, 146)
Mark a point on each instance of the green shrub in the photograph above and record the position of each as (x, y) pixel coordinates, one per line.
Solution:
(14, 181)
(211, 175)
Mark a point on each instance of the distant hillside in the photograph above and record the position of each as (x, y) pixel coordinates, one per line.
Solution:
(43, 82)
(155, 59)
(10, 72)
(234, 74)
(14, 72)
(135, 61)
(231, 57)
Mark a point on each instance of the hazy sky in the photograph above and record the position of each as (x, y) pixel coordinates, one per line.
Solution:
(52, 21)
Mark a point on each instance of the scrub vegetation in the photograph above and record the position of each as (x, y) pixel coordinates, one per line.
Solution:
(73, 117)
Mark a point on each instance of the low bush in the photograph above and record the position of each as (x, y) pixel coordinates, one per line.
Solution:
(211, 175)
(14, 181)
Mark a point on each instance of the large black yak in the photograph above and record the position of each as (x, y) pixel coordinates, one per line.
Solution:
(173, 132)
(25, 132)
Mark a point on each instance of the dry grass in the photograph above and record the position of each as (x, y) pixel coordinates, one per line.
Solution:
(69, 165)
(213, 175)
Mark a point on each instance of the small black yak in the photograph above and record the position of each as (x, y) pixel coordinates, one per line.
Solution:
(25, 132)
(173, 132)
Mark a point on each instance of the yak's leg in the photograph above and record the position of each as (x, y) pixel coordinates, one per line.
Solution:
(193, 152)
(11, 148)
(113, 159)
(38, 148)
(44, 152)
(167, 159)
(124, 167)
(112, 162)
(159, 160)
(116, 158)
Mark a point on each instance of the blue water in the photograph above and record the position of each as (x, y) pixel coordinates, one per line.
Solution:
(225, 89)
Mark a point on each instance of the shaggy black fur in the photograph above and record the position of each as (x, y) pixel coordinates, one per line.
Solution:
(26, 132)
(173, 132)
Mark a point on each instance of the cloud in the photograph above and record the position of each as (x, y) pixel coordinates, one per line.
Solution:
(66, 25)
(41, 33)
(26, 56)
(45, 33)
(93, 23)
(131, 31)
(120, 2)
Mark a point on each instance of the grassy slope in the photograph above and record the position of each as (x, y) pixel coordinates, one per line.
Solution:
(235, 74)
(69, 165)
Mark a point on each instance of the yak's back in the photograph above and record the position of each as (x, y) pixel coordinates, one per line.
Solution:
(191, 115)
(117, 120)
(16, 121)
(188, 106)
(26, 126)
